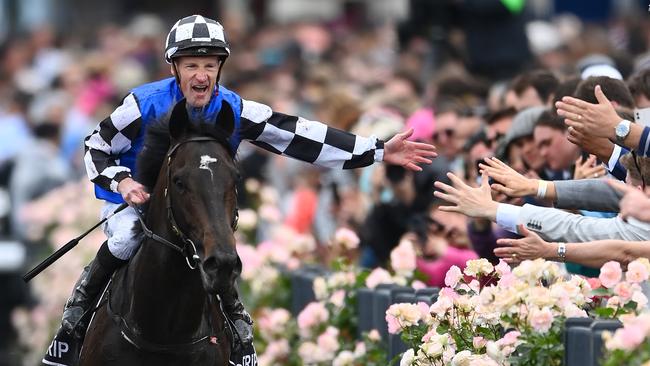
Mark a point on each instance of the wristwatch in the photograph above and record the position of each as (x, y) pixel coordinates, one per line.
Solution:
(622, 130)
(561, 251)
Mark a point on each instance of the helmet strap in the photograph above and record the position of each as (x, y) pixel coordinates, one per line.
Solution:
(222, 61)
(176, 74)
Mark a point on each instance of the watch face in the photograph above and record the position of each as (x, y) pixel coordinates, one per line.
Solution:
(622, 129)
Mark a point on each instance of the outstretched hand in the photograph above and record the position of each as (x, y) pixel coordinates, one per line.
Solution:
(587, 118)
(472, 202)
(530, 247)
(635, 203)
(400, 151)
(588, 168)
(511, 183)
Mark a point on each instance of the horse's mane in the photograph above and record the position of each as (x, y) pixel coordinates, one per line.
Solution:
(157, 143)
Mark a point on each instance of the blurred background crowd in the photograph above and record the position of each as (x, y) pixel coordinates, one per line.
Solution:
(476, 78)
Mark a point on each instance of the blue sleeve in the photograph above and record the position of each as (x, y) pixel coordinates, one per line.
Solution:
(644, 148)
(618, 170)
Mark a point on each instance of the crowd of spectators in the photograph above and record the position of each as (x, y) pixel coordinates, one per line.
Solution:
(485, 90)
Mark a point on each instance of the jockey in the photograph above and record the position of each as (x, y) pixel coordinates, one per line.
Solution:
(196, 50)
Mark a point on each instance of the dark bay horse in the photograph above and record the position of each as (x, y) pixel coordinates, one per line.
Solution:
(163, 308)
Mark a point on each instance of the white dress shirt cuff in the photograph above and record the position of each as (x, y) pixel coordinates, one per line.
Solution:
(507, 216)
(611, 164)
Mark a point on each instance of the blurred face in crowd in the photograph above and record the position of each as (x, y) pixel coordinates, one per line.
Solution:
(529, 98)
(475, 155)
(515, 158)
(467, 126)
(553, 146)
(445, 135)
(404, 190)
(529, 152)
(198, 77)
(499, 127)
(449, 226)
(641, 101)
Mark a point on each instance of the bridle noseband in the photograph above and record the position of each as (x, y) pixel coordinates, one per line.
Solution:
(188, 250)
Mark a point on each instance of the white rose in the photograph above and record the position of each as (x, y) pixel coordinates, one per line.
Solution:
(407, 358)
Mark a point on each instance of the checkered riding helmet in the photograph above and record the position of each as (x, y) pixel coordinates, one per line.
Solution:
(196, 36)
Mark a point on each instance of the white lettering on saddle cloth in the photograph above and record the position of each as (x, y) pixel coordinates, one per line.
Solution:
(247, 360)
(57, 349)
(205, 160)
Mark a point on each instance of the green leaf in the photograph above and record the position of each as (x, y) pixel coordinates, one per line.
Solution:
(605, 312)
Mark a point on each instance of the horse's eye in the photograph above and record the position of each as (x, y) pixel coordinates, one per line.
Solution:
(179, 184)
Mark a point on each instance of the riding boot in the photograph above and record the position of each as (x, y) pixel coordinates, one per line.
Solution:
(235, 311)
(92, 281)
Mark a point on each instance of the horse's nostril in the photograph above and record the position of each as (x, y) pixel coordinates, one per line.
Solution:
(210, 264)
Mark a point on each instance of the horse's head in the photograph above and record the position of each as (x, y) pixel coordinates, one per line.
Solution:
(200, 193)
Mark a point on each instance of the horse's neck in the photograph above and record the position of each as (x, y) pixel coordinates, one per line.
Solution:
(168, 297)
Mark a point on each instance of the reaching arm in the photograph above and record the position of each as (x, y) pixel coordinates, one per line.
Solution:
(316, 143)
(513, 184)
(588, 194)
(552, 224)
(592, 254)
(601, 120)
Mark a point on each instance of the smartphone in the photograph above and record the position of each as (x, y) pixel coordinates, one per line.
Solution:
(642, 116)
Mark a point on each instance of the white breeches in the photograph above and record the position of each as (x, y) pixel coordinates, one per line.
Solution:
(122, 241)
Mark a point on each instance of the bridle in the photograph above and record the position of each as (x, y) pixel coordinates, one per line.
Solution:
(193, 260)
(188, 250)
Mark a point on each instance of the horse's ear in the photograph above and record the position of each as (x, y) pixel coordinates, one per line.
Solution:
(226, 119)
(178, 120)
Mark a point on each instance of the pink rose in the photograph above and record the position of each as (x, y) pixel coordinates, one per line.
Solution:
(478, 342)
(541, 319)
(448, 292)
(403, 258)
(394, 326)
(631, 336)
(594, 283)
(424, 310)
(624, 290)
(338, 298)
(502, 268)
(610, 274)
(313, 314)
(378, 276)
(346, 238)
(507, 280)
(328, 341)
(418, 285)
(509, 339)
(430, 334)
(454, 274)
(637, 272)
(475, 286)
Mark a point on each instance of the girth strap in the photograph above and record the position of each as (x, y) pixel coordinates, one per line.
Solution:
(141, 343)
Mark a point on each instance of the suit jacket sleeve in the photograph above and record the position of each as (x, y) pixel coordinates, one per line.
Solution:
(557, 225)
(586, 194)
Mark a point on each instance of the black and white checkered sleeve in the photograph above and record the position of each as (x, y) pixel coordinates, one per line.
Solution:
(310, 141)
(112, 137)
